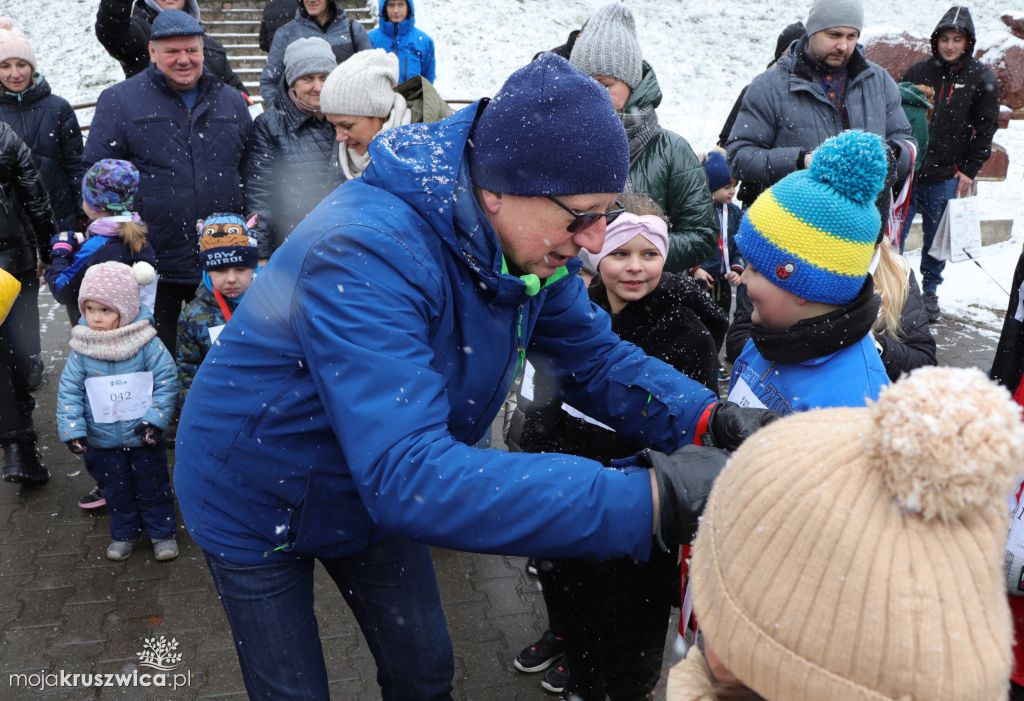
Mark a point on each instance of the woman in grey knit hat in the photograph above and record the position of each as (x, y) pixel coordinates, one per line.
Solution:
(662, 164)
(290, 166)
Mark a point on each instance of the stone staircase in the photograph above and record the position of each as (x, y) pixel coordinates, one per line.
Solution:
(236, 24)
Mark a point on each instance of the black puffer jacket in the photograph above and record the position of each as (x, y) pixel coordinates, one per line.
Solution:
(124, 32)
(966, 113)
(276, 14)
(678, 323)
(26, 220)
(899, 355)
(289, 170)
(48, 126)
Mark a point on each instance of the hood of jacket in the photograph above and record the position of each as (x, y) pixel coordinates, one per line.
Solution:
(151, 9)
(440, 190)
(332, 7)
(396, 29)
(646, 94)
(35, 92)
(911, 96)
(958, 18)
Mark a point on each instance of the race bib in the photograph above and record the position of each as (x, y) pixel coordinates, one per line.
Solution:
(744, 396)
(120, 397)
(215, 332)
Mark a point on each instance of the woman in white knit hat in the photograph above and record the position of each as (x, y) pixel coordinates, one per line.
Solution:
(359, 99)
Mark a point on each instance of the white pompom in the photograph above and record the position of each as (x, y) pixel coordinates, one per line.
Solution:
(144, 272)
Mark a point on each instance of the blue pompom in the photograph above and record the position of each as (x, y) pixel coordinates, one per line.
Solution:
(853, 163)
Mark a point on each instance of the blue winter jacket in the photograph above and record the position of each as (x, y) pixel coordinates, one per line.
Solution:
(847, 377)
(414, 47)
(190, 163)
(341, 402)
(74, 415)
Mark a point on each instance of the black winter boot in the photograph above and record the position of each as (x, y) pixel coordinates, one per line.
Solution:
(23, 464)
(36, 368)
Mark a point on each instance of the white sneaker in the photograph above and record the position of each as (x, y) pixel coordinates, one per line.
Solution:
(166, 549)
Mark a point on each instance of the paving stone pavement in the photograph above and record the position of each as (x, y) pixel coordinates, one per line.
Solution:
(65, 607)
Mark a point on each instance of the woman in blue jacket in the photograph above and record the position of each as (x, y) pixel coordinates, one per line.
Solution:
(376, 348)
(398, 34)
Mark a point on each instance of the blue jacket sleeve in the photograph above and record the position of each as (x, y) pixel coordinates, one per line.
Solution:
(413, 477)
(428, 59)
(165, 384)
(71, 400)
(613, 381)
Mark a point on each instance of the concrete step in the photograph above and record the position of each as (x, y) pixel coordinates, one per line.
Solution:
(231, 39)
(232, 26)
(247, 61)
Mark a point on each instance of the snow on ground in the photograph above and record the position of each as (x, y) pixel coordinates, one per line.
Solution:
(704, 52)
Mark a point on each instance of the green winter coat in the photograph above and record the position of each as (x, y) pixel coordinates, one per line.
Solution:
(423, 100)
(665, 168)
(916, 106)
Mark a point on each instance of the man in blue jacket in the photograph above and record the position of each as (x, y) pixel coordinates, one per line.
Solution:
(398, 34)
(375, 350)
(186, 131)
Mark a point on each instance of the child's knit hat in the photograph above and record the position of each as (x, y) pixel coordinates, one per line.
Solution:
(856, 554)
(717, 169)
(109, 186)
(115, 285)
(225, 243)
(608, 46)
(14, 44)
(813, 233)
(626, 227)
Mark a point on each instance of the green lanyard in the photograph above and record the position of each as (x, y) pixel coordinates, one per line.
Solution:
(533, 286)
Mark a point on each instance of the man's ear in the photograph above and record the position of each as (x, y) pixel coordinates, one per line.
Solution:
(491, 201)
(801, 301)
(152, 52)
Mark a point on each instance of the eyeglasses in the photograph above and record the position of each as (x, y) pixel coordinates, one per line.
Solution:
(584, 220)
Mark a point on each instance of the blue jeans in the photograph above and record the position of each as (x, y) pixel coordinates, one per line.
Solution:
(137, 488)
(390, 588)
(930, 199)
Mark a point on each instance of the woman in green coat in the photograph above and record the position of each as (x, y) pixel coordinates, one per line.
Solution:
(662, 164)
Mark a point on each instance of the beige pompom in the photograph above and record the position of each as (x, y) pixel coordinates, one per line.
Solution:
(144, 273)
(6, 23)
(949, 440)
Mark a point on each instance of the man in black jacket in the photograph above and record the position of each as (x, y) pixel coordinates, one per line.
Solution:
(123, 27)
(963, 122)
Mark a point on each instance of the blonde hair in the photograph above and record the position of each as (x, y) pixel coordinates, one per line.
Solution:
(892, 283)
(640, 204)
(133, 234)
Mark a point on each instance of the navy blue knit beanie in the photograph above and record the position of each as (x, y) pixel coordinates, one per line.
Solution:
(717, 169)
(550, 130)
(175, 23)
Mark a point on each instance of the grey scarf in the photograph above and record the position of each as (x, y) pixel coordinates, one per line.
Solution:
(641, 127)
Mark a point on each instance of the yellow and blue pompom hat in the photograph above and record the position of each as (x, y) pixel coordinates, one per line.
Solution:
(813, 233)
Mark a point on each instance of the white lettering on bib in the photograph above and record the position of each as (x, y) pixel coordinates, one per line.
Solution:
(120, 397)
(744, 396)
(215, 332)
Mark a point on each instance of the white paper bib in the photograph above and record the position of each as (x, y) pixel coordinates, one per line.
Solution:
(120, 397)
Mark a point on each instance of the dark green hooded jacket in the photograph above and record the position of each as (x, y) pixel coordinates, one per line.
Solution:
(916, 106)
(665, 168)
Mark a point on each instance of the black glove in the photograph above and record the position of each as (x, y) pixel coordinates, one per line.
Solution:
(151, 435)
(730, 424)
(684, 483)
(78, 446)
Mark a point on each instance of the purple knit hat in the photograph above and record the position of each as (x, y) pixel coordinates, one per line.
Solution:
(111, 284)
(110, 185)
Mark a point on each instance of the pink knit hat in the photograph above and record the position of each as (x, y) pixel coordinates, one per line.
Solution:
(627, 227)
(111, 284)
(14, 44)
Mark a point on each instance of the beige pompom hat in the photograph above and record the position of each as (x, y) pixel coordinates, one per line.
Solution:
(850, 554)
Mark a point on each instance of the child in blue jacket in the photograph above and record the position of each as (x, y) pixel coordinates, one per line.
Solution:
(115, 232)
(808, 242)
(722, 271)
(117, 395)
